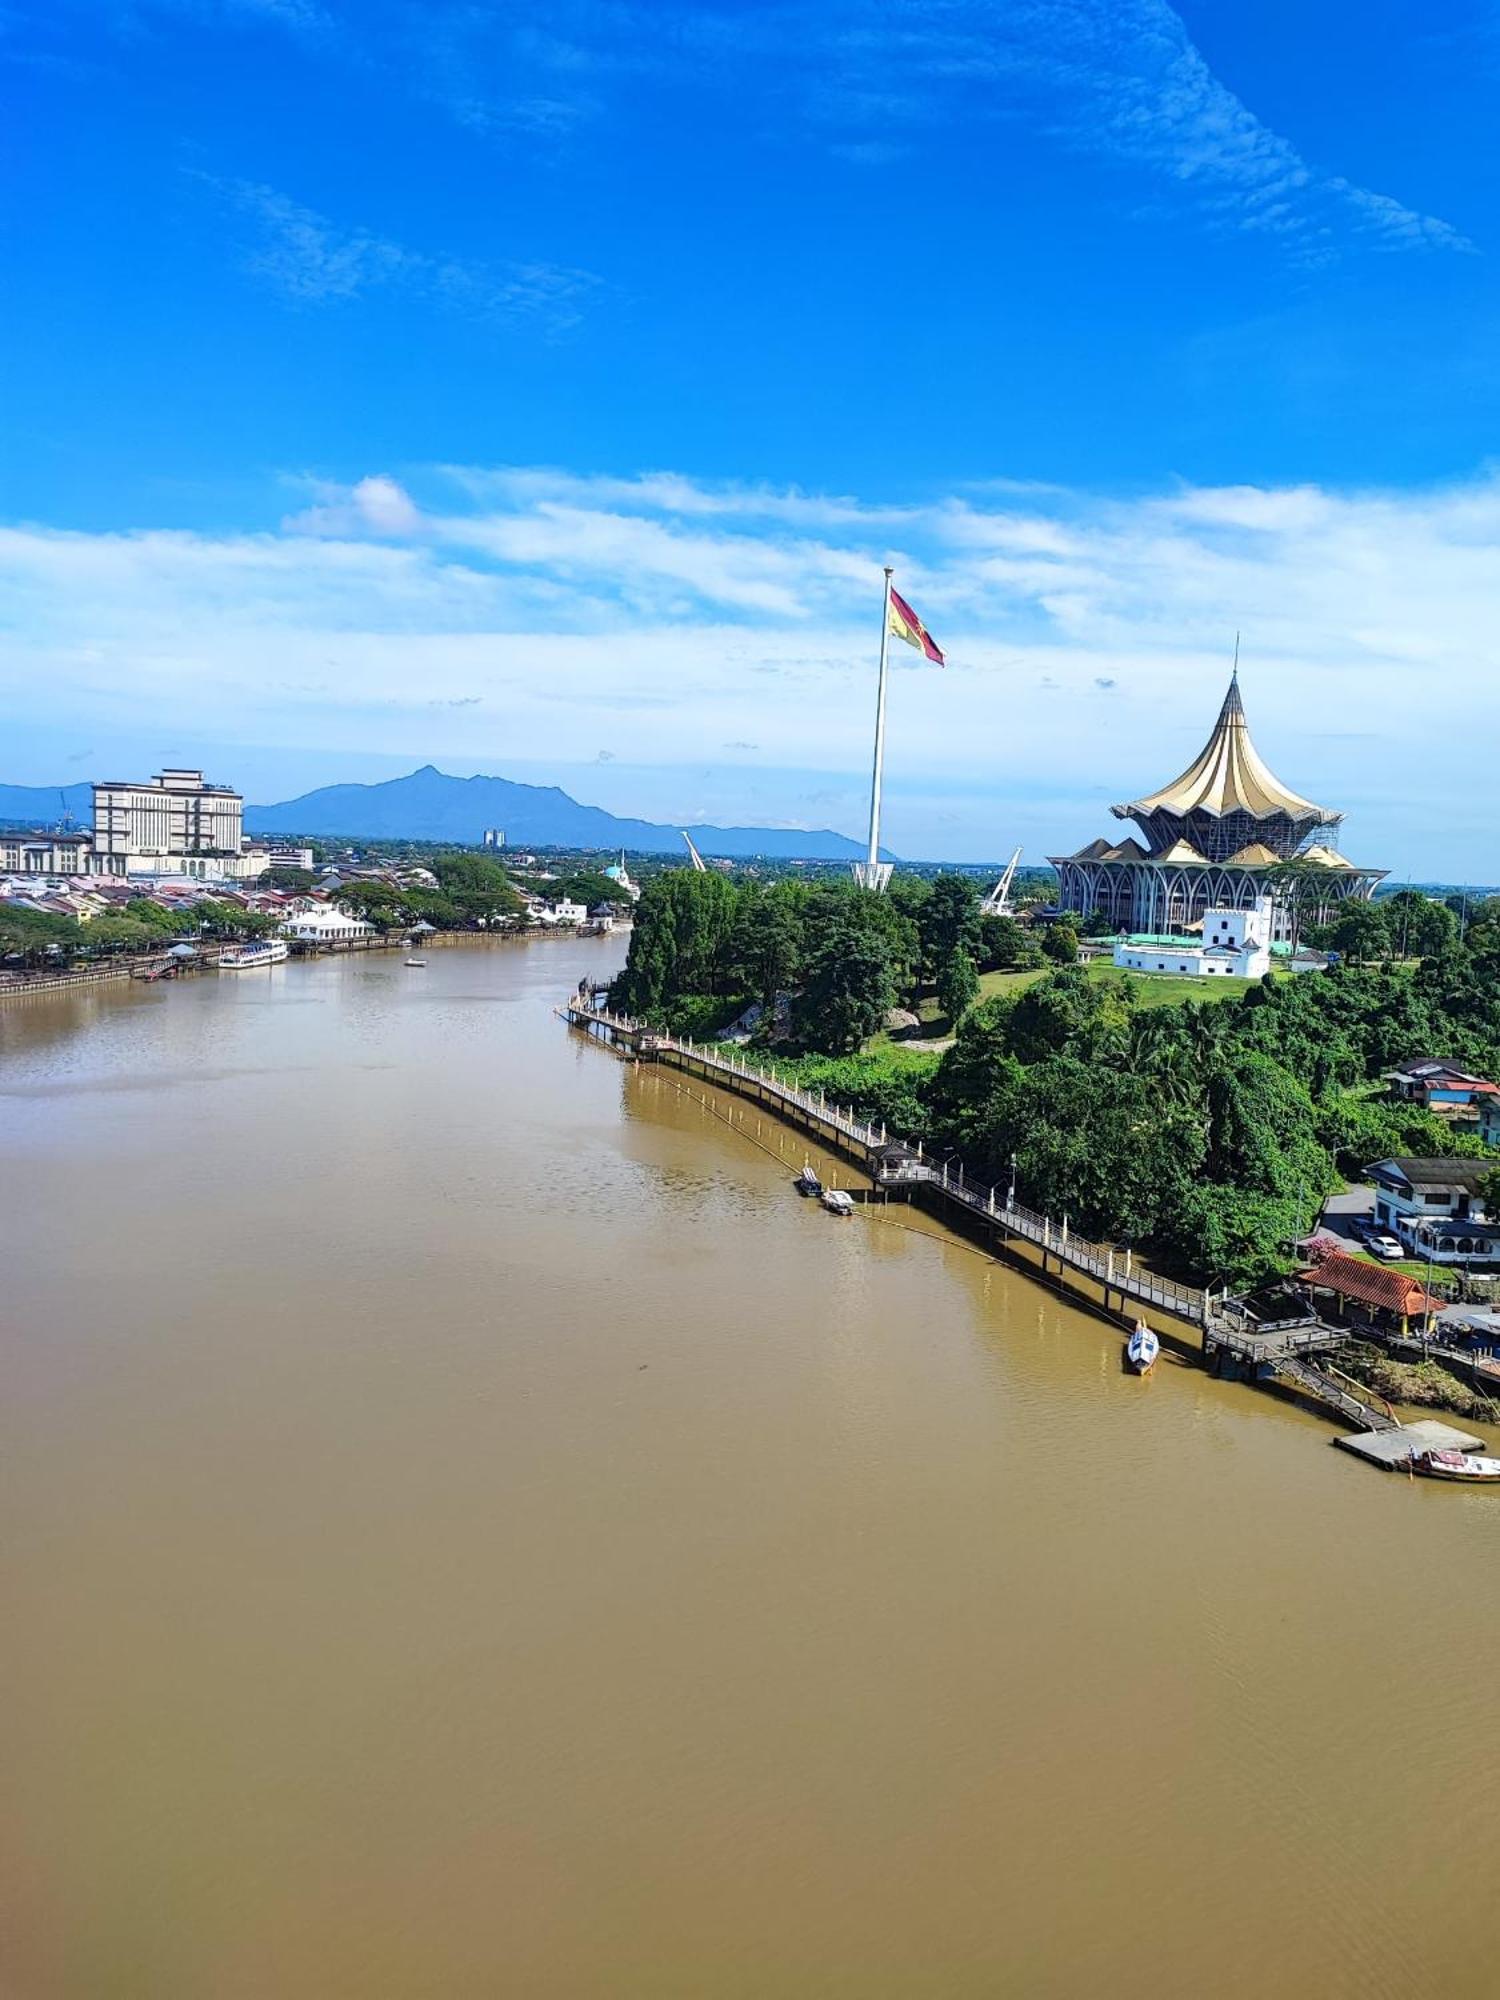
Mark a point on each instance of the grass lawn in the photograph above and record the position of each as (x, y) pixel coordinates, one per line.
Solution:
(1409, 1267)
(1153, 989)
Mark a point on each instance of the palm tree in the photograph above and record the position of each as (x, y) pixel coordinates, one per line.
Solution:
(1301, 886)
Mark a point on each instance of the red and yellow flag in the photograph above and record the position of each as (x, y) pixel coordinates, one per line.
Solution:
(905, 624)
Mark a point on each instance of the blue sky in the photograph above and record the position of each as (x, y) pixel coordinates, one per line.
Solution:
(540, 390)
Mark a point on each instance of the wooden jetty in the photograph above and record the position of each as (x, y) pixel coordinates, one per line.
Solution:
(1095, 1275)
(1392, 1447)
(1291, 1353)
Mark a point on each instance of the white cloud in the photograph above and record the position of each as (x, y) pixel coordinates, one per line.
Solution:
(1088, 638)
(314, 261)
(1118, 78)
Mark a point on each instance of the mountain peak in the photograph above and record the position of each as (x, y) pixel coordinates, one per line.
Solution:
(428, 804)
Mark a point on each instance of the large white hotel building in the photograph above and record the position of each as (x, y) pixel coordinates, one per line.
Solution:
(174, 825)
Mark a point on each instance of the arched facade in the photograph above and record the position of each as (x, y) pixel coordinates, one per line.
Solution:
(1209, 841)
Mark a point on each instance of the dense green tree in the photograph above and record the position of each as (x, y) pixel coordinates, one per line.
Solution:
(849, 987)
(1006, 946)
(383, 904)
(37, 937)
(957, 984)
(112, 933)
(949, 922)
(769, 939)
(1359, 932)
(1418, 926)
(476, 886)
(1060, 943)
(154, 916)
(590, 886)
(680, 942)
(1228, 1235)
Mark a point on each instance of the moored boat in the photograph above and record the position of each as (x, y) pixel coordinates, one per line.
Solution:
(250, 957)
(807, 1181)
(1142, 1348)
(837, 1202)
(1458, 1465)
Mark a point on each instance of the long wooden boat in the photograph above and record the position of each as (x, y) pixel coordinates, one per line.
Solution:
(1457, 1465)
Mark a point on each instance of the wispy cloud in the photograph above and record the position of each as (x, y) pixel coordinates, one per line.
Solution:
(1122, 79)
(312, 260)
(500, 617)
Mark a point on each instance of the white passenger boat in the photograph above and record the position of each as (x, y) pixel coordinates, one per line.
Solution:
(1460, 1465)
(250, 957)
(413, 961)
(837, 1202)
(1142, 1348)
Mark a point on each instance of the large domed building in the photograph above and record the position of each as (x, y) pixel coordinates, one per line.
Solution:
(1209, 841)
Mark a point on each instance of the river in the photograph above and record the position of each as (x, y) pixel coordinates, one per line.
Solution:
(470, 1530)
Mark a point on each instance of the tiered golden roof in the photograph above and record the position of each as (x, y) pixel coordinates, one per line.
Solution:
(1227, 776)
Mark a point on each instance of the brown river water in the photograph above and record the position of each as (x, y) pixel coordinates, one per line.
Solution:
(469, 1529)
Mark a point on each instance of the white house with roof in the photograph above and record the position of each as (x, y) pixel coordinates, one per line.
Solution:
(1435, 1207)
(328, 925)
(1236, 944)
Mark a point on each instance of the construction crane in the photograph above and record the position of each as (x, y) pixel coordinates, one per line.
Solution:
(997, 902)
(694, 856)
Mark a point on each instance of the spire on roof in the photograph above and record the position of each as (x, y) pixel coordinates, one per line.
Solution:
(1227, 775)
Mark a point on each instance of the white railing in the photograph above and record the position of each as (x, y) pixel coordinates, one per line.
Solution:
(1115, 1270)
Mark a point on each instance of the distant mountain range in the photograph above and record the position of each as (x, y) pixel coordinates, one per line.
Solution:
(44, 805)
(429, 805)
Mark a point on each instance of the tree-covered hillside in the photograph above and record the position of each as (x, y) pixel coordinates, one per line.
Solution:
(1203, 1133)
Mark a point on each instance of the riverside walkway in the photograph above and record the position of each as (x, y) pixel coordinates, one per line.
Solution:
(1291, 1352)
(1101, 1276)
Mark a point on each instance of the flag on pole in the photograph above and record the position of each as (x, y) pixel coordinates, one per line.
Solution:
(905, 624)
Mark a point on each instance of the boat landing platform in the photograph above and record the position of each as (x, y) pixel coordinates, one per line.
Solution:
(1391, 1449)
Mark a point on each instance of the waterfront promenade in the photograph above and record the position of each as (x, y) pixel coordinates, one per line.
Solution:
(1107, 1279)
(1291, 1354)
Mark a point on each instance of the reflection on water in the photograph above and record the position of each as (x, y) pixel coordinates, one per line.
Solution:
(470, 1529)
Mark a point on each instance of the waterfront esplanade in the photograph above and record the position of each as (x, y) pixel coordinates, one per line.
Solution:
(1207, 842)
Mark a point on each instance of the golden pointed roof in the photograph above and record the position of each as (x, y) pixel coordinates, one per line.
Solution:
(1256, 855)
(1227, 776)
(1325, 858)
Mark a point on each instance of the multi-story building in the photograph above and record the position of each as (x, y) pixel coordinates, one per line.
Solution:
(1220, 837)
(175, 825)
(46, 852)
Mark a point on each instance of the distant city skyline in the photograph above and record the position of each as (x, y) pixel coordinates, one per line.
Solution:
(542, 396)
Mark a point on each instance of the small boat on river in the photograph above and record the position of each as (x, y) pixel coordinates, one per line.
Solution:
(250, 957)
(1459, 1465)
(1142, 1348)
(413, 961)
(837, 1202)
(807, 1182)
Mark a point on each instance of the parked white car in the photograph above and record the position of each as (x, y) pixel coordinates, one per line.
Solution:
(1381, 1243)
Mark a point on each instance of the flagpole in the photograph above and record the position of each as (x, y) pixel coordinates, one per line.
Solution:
(871, 876)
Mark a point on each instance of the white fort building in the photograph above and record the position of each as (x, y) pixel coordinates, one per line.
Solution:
(1235, 944)
(1217, 840)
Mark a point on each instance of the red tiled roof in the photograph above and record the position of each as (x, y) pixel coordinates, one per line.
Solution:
(1352, 1278)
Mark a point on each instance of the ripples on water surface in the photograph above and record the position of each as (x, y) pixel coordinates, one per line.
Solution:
(470, 1529)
